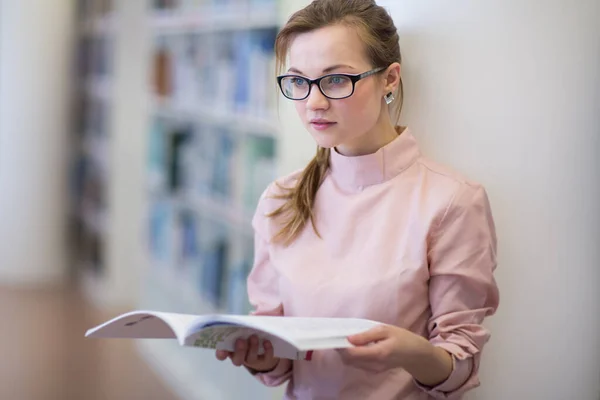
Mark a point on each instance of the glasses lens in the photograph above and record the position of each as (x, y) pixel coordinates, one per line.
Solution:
(336, 86)
(294, 87)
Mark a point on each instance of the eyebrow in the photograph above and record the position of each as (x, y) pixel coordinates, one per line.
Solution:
(326, 70)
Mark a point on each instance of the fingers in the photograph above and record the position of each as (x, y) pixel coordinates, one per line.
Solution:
(355, 355)
(268, 346)
(223, 355)
(355, 359)
(246, 352)
(241, 350)
(375, 357)
(372, 335)
(252, 356)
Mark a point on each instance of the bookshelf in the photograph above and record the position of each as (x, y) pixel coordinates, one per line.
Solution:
(174, 145)
(91, 166)
(212, 148)
(212, 137)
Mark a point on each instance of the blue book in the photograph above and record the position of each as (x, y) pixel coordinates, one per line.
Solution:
(243, 48)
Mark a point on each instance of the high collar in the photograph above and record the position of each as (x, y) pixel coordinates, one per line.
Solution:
(356, 173)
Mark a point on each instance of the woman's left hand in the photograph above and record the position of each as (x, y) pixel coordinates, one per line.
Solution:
(384, 347)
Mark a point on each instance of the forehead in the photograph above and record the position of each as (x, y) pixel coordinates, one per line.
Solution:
(312, 52)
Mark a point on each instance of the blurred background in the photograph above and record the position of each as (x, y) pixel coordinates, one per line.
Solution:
(136, 137)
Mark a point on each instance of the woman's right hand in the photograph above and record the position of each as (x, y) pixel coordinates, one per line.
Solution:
(246, 353)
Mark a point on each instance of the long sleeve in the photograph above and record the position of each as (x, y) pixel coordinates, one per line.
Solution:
(462, 288)
(263, 293)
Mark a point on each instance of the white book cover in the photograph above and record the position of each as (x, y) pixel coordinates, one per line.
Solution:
(292, 337)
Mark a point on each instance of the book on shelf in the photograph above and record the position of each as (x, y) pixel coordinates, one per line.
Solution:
(215, 264)
(292, 337)
(259, 167)
(237, 301)
(233, 71)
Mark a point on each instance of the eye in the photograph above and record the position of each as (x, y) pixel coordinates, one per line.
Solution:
(336, 80)
(299, 82)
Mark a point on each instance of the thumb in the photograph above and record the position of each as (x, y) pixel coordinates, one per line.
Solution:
(372, 335)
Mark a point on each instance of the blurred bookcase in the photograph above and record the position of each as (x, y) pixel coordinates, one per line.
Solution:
(211, 143)
(91, 168)
(211, 151)
(177, 135)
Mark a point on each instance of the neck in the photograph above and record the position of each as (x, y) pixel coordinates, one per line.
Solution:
(356, 173)
(377, 137)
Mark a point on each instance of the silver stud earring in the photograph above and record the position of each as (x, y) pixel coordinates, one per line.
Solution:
(389, 98)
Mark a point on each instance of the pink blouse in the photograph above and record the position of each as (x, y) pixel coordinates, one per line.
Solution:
(403, 241)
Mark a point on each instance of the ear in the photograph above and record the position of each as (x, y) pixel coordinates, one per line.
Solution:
(392, 78)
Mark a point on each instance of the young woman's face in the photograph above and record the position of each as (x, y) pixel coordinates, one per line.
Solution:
(344, 122)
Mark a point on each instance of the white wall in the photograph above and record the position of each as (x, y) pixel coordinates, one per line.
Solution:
(508, 92)
(35, 51)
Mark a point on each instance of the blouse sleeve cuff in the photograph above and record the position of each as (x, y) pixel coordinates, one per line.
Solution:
(278, 375)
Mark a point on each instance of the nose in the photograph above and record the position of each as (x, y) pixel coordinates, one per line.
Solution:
(316, 100)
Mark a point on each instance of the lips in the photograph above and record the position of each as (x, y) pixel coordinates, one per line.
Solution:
(321, 123)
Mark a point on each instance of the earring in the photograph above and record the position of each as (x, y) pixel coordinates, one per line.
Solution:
(389, 98)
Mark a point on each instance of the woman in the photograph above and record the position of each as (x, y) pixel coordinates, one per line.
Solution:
(370, 228)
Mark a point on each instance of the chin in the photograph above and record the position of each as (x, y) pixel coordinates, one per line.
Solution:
(326, 140)
(326, 143)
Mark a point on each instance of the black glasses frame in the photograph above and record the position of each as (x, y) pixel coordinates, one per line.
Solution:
(353, 78)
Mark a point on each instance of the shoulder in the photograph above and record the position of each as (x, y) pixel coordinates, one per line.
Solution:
(446, 178)
(281, 185)
(271, 197)
(443, 174)
(454, 192)
(460, 199)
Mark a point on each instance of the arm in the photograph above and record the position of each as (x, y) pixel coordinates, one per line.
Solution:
(462, 291)
(431, 365)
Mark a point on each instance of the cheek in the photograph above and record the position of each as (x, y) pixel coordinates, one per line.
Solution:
(359, 111)
(301, 109)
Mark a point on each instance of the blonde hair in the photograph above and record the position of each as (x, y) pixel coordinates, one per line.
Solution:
(376, 29)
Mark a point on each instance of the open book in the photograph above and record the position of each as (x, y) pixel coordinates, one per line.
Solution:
(292, 337)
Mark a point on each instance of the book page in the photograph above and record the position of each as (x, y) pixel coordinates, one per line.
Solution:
(310, 329)
(224, 337)
(299, 330)
(144, 325)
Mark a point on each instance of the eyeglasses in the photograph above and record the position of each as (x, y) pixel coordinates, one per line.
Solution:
(332, 86)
